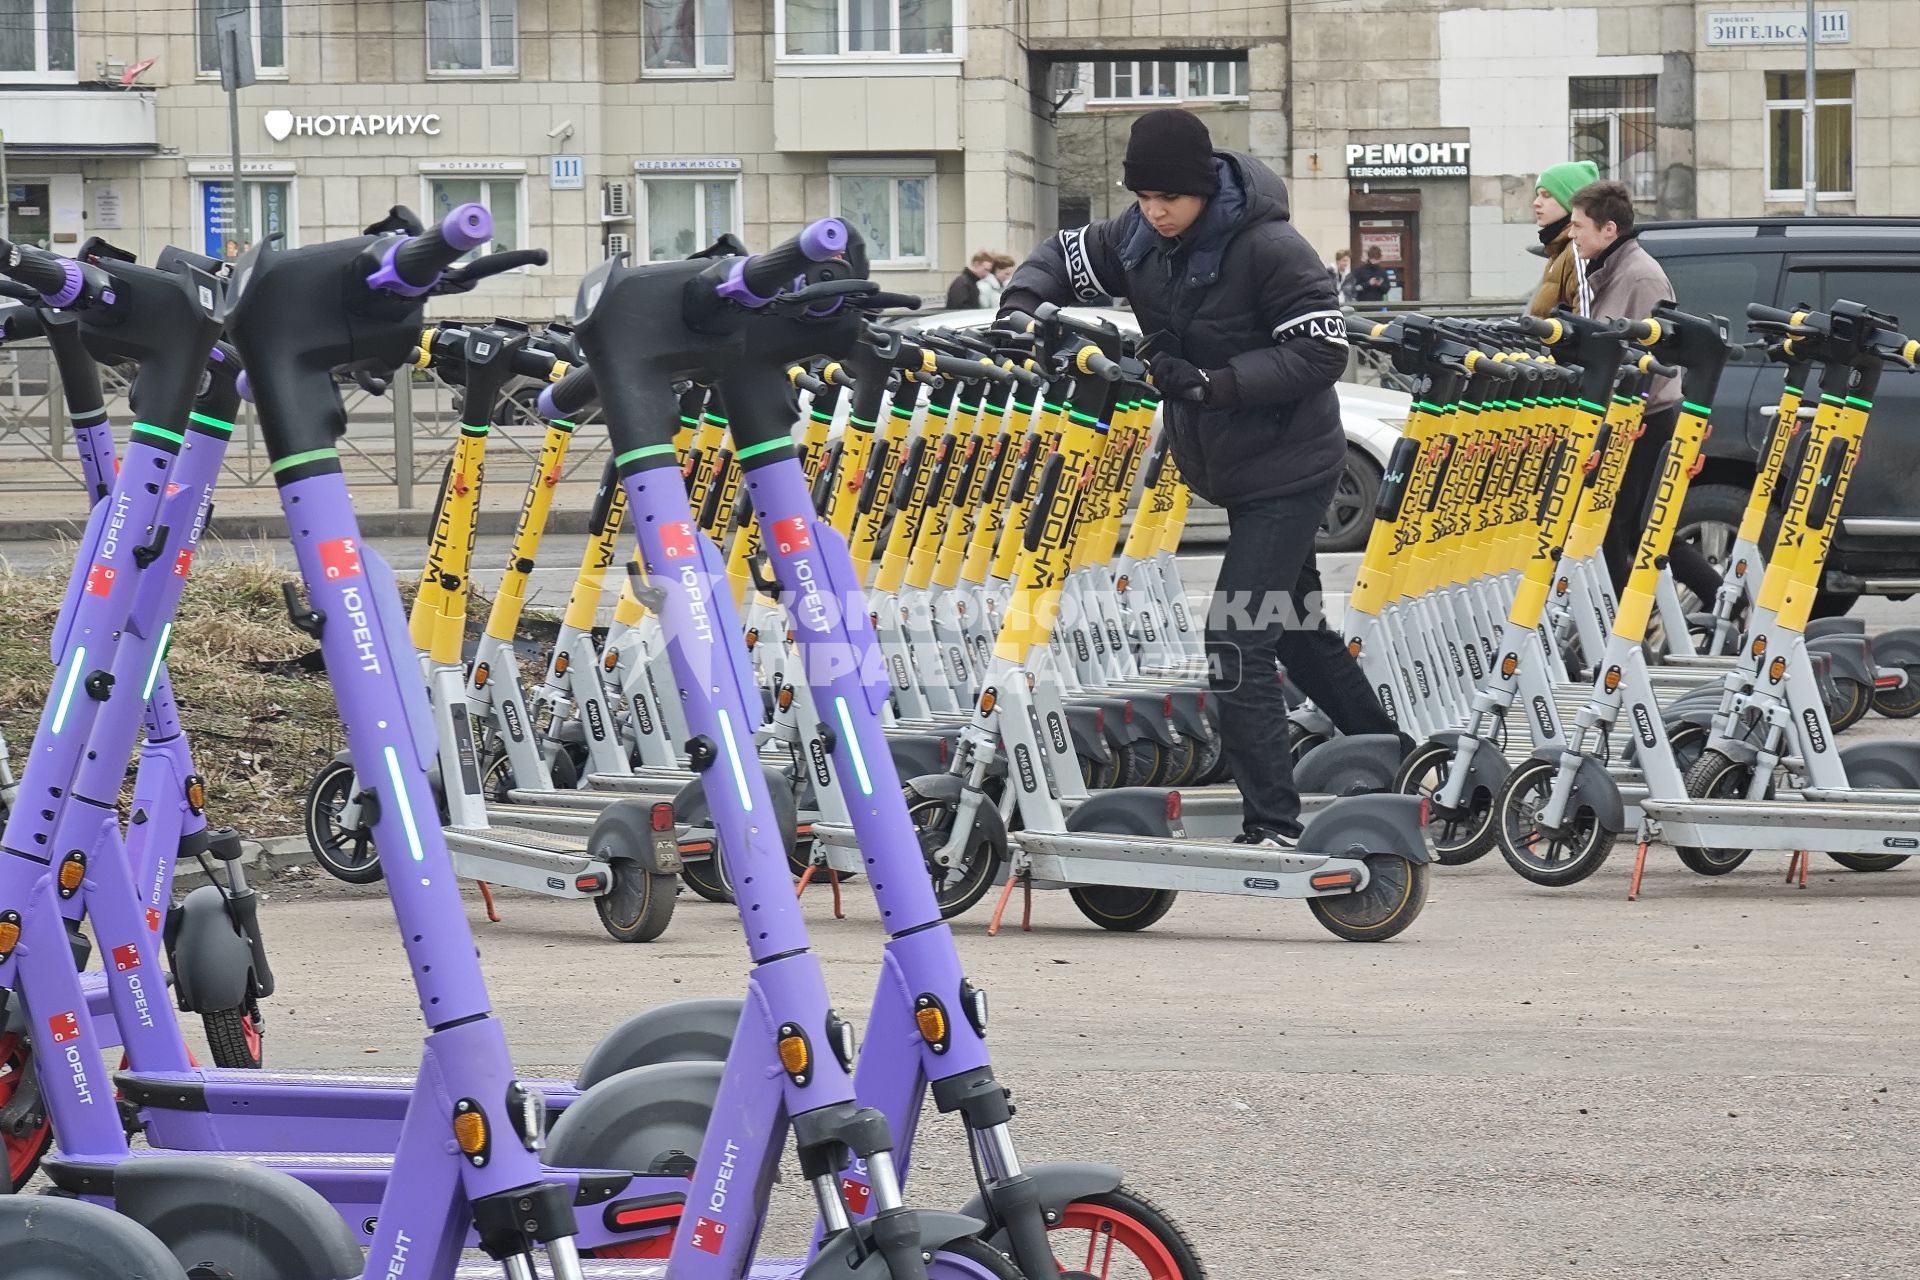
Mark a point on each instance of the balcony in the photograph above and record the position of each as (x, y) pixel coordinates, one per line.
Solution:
(68, 120)
(899, 112)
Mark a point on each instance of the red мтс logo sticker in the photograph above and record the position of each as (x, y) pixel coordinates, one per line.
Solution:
(676, 540)
(183, 562)
(708, 1235)
(64, 1027)
(340, 558)
(790, 535)
(856, 1194)
(125, 958)
(100, 579)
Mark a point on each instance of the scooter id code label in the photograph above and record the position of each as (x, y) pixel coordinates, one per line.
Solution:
(708, 1235)
(340, 558)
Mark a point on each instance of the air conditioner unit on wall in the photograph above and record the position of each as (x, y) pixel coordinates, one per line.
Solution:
(616, 202)
(618, 242)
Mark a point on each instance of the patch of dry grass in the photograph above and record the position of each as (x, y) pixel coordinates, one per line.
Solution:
(259, 721)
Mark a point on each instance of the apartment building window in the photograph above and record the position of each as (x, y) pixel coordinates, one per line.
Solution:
(685, 215)
(36, 39)
(1173, 81)
(1611, 124)
(893, 211)
(1832, 134)
(501, 196)
(268, 209)
(867, 28)
(471, 37)
(267, 20)
(686, 37)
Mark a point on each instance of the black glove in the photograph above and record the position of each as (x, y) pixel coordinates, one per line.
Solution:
(1179, 380)
(1176, 379)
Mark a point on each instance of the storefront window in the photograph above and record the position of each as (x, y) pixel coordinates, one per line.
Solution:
(891, 212)
(685, 215)
(268, 211)
(501, 196)
(686, 37)
(36, 39)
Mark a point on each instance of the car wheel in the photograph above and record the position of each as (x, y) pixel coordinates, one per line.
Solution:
(1350, 513)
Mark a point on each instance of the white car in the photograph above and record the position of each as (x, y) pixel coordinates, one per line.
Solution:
(1372, 417)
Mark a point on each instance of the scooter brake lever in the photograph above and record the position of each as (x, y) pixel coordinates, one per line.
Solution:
(461, 279)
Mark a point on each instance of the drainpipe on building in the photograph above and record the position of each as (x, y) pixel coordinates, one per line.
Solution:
(1809, 173)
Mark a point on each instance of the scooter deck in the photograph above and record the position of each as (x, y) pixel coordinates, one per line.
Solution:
(1786, 824)
(616, 1269)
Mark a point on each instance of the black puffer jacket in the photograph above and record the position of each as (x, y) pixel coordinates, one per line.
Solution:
(1241, 290)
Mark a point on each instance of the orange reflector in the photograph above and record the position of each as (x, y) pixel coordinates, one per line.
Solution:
(559, 663)
(470, 1131)
(612, 659)
(795, 1056)
(753, 636)
(197, 794)
(988, 699)
(1776, 669)
(9, 936)
(72, 872)
(785, 700)
(1332, 880)
(480, 674)
(1613, 679)
(933, 1023)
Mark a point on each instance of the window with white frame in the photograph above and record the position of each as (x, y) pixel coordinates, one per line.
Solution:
(267, 210)
(36, 39)
(471, 37)
(1832, 134)
(892, 211)
(867, 28)
(266, 20)
(1170, 80)
(684, 215)
(501, 196)
(686, 37)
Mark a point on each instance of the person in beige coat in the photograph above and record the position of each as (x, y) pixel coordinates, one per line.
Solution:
(1616, 276)
(1551, 193)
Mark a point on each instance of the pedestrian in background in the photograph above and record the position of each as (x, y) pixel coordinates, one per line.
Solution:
(1246, 341)
(1616, 277)
(1371, 282)
(1551, 195)
(994, 283)
(1342, 270)
(964, 293)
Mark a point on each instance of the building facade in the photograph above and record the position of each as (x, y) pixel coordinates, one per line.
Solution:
(1414, 127)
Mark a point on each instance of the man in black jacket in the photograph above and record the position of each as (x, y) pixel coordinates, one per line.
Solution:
(1250, 341)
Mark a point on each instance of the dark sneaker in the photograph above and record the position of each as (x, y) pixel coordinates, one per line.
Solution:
(1267, 838)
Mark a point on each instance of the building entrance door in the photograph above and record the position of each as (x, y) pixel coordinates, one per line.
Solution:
(1397, 237)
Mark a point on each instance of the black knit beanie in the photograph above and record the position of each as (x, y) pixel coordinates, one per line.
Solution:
(1171, 152)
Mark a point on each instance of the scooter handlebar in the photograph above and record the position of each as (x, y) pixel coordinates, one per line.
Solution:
(414, 263)
(57, 280)
(568, 396)
(757, 280)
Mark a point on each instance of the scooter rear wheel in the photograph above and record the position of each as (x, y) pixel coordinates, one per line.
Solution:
(23, 1151)
(1555, 860)
(1457, 836)
(1101, 775)
(1120, 909)
(1895, 704)
(1851, 703)
(1122, 1235)
(1716, 777)
(347, 855)
(639, 906)
(1139, 762)
(1395, 894)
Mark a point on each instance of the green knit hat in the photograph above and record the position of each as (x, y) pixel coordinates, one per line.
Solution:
(1562, 180)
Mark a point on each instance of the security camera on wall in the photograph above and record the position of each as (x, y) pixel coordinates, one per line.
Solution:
(562, 131)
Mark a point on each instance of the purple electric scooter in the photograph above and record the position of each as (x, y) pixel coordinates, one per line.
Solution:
(744, 328)
(466, 1167)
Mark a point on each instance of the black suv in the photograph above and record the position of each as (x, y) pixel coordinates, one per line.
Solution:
(1717, 268)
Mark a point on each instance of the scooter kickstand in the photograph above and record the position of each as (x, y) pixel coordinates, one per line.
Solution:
(1000, 907)
(486, 896)
(1798, 864)
(806, 878)
(833, 879)
(1639, 869)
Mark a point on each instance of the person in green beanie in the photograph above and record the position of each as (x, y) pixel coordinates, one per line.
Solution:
(1552, 199)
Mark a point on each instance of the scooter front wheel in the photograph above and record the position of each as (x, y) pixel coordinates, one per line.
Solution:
(347, 854)
(1555, 859)
(1869, 861)
(1395, 894)
(1122, 910)
(960, 886)
(23, 1150)
(1458, 836)
(235, 1036)
(1122, 1235)
(1716, 777)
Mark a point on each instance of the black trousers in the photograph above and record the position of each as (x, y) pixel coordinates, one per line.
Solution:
(1266, 610)
(1634, 507)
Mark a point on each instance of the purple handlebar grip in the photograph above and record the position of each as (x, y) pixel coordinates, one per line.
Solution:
(243, 385)
(825, 239)
(71, 289)
(734, 287)
(548, 409)
(467, 227)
